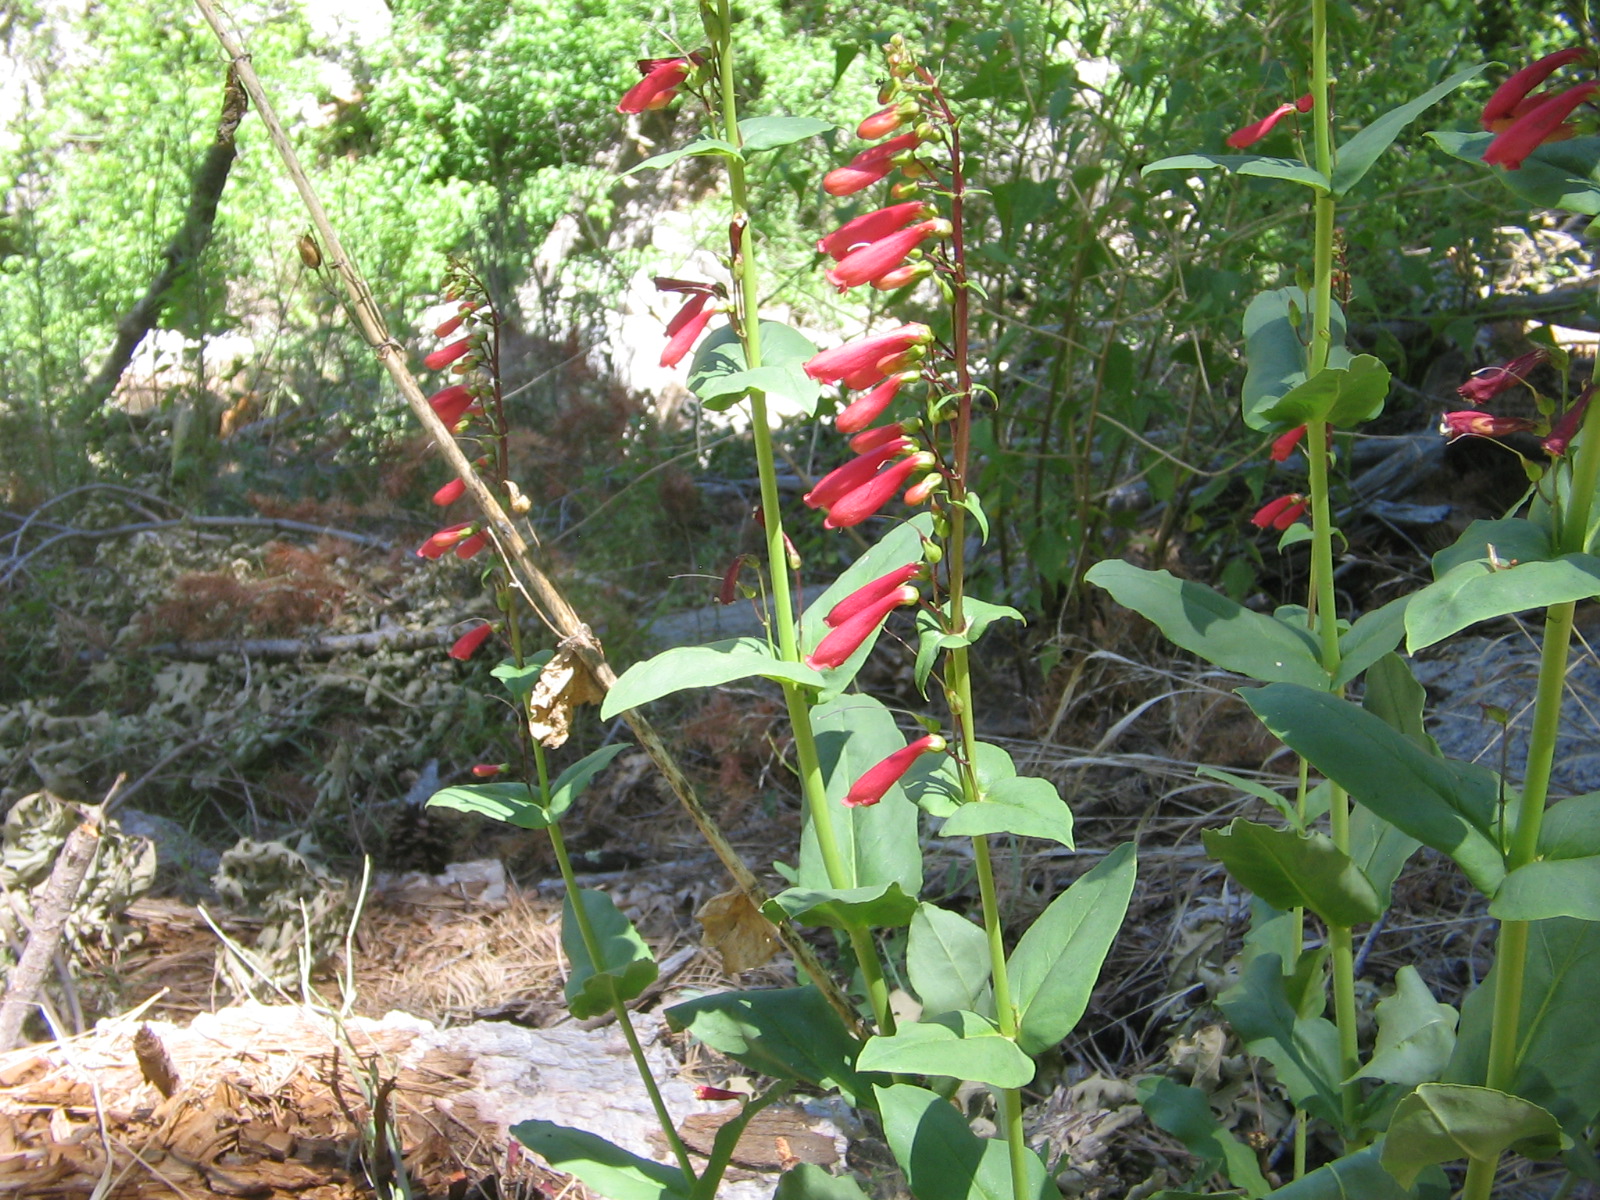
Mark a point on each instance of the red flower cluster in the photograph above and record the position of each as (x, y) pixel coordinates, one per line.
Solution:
(857, 617)
(1254, 132)
(1522, 120)
(1281, 513)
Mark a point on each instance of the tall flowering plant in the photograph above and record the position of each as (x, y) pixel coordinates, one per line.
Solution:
(1434, 1086)
(903, 418)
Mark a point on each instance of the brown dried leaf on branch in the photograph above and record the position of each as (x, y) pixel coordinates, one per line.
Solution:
(564, 684)
(737, 931)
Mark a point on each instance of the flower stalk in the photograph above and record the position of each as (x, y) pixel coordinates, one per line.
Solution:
(718, 20)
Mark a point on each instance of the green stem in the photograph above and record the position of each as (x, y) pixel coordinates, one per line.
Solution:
(1324, 601)
(1511, 953)
(591, 945)
(958, 665)
(796, 698)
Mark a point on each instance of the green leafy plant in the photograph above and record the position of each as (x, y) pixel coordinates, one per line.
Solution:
(1433, 1089)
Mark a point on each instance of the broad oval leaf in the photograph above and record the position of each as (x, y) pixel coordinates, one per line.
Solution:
(1373, 635)
(575, 778)
(694, 149)
(1443, 1122)
(787, 1033)
(947, 962)
(941, 1156)
(1022, 805)
(1342, 396)
(686, 667)
(624, 967)
(607, 1168)
(877, 906)
(1356, 156)
(1416, 1034)
(512, 803)
(1303, 1050)
(1244, 164)
(721, 376)
(1209, 624)
(961, 1044)
(1449, 805)
(1275, 351)
(1562, 175)
(810, 1182)
(769, 133)
(1557, 1051)
(1358, 1176)
(1296, 870)
(1566, 887)
(877, 845)
(1057, 962)
(1478, 591)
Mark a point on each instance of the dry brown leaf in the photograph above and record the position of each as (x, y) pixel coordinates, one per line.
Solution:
(563, 685)
(737, 931)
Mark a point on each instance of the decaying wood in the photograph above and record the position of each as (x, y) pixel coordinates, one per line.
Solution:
(49, 922)
(540, 591)
(155, 1064)
(186, 246)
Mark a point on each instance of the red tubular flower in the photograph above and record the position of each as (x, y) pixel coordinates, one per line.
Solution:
(487, 770)
(1468, 423)
(444, 539)
(449, 326)
(1542, 124)
(1560, 439)
(685, 328)
(871, 227)
(662, 77)
(468, 643)
(470, 546)
(864, 363)
(1488, 383)
(446, 355)
(871, 439)
(886, 120)
(870, 594)
(1280, 513)
(1508, 100)
(842, 480)
(855, 507)
(879, 258)
(704, 1091)
(1251, 134)
(846, 637)
(452, 403)
(872, 785)
(1284, 445)
(449, 493)
(729, 591)
(866, 168)
(868, 407)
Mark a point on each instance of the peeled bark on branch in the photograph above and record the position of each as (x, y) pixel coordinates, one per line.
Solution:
(49, 922)
(186, 246)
